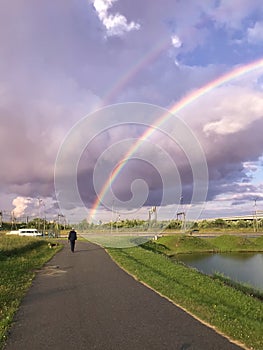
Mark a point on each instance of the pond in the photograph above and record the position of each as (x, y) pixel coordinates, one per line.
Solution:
(241, 267)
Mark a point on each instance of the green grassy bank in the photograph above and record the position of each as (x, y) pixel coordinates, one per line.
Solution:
(229, 310)
(20, 257)
(177, 244)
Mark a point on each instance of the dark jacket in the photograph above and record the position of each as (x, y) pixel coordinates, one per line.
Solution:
(72, 236)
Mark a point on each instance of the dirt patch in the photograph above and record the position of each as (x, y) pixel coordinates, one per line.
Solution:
(52, 270)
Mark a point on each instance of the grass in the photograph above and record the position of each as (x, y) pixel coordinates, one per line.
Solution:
(233, 312)
(20, 257)
(108, 240)
(186, 244)
(245, 288)
(177, 244)
(227, 243)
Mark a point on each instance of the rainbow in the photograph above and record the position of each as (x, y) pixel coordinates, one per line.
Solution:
(188, 99)
(145, 61)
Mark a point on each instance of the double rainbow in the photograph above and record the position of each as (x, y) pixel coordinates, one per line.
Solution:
(185, 101)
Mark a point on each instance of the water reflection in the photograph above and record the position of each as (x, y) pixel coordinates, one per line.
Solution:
(242, 267)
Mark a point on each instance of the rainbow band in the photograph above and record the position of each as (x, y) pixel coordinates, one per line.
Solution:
(145, 61)
(188, 99)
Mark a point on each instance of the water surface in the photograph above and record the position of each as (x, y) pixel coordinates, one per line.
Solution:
(241, 267)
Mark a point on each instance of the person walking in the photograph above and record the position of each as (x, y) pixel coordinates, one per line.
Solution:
(72, 237)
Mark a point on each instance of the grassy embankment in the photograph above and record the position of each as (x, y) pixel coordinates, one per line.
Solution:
(172, 245)
(19, 259)
(228, 309)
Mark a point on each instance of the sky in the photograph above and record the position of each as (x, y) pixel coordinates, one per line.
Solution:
(83, 81)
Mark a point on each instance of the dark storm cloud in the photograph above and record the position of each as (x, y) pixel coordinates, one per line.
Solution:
(57, 65)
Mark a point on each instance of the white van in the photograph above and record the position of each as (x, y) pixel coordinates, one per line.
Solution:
(29, 232)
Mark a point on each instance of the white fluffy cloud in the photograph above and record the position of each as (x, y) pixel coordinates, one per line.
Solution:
(20, 203)
(176, 41)
(231, 116)
(116, 24)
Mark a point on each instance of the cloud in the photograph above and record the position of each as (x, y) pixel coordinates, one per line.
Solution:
(176, 41)
(20, 204)
(227, 122)
(31, 134)
(223, 127)
(255, 33)
(231, 14)
(56, 67)
(115, 24)
(233, 116)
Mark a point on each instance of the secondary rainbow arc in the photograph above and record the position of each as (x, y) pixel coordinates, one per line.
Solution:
(185, 101)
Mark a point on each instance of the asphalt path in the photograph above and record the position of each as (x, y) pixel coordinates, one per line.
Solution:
(83, 300)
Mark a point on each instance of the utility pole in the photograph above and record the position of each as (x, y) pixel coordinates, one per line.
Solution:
(60, 223)
(150, 217)
(152, 212)
(38, 221)
(44, 227)
(111, 223)
(181, 215)
(118, 219)
(13, 220)
(255, 216)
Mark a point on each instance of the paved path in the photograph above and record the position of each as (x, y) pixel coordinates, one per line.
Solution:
(85, 301)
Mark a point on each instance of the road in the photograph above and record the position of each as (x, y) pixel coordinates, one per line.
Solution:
(83, 300)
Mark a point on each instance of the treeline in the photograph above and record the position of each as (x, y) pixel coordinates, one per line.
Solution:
(203, 225)
(140, 225)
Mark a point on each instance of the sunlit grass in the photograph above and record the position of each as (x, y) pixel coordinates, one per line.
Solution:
(115, 241)
(19, 259)
(177, 244)
(186, 244)
(230, 310)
